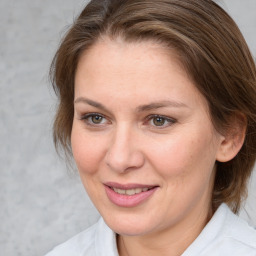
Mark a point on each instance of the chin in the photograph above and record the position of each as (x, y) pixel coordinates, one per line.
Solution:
(130, 225)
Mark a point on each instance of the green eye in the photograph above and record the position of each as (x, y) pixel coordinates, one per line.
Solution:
(96, 119)
(159, 121)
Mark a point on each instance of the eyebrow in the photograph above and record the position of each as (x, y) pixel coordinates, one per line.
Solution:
(160, 104)
(90, 102)
(142, 108)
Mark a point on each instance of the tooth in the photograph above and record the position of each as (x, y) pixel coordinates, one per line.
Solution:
(121, 191)
(138, 190)
(130, 192)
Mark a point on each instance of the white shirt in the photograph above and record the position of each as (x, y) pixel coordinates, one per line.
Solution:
(225, 235)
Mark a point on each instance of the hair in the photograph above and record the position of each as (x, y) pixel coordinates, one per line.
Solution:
(211, 49)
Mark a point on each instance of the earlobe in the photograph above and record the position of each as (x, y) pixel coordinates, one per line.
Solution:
(233, 140)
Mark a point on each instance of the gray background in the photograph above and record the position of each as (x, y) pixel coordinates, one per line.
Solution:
(42, 204)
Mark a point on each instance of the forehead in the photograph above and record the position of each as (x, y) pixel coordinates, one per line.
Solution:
(119, 56)
(144, 69)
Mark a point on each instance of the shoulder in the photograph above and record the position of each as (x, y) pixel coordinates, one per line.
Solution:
(87, 242)
(237, 233)
(225, 234)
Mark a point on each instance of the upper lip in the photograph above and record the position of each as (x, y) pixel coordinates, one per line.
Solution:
(128, 185)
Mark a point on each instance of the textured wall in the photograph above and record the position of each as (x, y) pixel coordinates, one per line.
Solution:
(41, 203)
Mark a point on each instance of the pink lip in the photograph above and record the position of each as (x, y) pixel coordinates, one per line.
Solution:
(126, 200)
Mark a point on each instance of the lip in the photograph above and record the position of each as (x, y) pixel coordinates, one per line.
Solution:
(128, 200)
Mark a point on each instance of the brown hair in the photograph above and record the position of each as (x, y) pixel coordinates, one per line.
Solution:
(211, 49)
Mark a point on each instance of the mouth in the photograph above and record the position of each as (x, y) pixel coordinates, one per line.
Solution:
(130, 192)
(129, 195)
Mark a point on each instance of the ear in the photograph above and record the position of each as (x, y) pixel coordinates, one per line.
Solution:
(233, 140)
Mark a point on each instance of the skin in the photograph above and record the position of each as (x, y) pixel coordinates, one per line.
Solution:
(119, 81)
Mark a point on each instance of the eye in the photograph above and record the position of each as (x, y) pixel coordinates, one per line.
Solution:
(160, 121)
(94, 119)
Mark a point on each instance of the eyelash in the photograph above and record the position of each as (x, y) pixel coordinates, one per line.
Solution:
(86, 118)
(167, 120)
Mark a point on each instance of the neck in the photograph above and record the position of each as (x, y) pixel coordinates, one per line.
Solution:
(172, 241)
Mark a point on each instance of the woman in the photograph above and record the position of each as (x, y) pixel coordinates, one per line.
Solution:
(158, 108)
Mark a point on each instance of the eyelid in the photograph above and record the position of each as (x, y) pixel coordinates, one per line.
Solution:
(86, 116)
(170, 120)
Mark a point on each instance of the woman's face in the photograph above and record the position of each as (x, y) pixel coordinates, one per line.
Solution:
(142, 138)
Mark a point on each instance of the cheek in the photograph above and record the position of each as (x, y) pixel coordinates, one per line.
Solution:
(183, 155)
(87, 152)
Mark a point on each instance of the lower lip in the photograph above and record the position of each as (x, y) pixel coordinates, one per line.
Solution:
(126, 200)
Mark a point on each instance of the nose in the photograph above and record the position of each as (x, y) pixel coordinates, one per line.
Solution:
(124, 152)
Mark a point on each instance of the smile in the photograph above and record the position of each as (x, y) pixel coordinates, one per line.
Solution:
(130, 192)
(129, 195)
